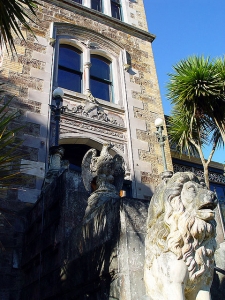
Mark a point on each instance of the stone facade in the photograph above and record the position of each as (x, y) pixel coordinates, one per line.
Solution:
(32, 75)
(127, 122)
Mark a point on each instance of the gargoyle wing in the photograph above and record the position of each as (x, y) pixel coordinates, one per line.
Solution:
(88, 168)
(119, 171)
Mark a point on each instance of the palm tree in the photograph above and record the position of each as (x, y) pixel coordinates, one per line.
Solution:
(190, 136)
(12, 13)
(196, 89)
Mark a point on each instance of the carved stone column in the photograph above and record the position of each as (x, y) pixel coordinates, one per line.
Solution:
(87, 67)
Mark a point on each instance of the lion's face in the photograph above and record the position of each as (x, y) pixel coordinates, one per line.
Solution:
(198, 200)
(181, 220)
(181, 228)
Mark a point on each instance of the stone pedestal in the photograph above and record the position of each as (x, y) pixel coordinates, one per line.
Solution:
(106, 254)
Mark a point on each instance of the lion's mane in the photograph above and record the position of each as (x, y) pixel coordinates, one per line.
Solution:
(173, 228)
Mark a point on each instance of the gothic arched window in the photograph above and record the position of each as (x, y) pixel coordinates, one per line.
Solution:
(100, 77)
(69, 68)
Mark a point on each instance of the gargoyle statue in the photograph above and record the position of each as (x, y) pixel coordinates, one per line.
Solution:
(102, 175)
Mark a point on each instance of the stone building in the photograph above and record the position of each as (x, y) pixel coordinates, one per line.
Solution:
(100, 54)
(110, 36)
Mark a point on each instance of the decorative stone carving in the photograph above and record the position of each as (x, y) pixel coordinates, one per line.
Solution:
(79, 125)
(180, 241)
(94, 110)
(216, 177)
(56, 165)
(103, 175)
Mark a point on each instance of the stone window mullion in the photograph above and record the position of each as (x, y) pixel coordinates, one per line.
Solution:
(107, 7)
(87, 3)
(86, 68)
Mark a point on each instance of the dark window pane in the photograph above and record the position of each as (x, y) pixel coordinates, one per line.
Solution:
(69, 57)
(69, 68)
(70, 81)
(116, 9)
(100, 89)
(78, 1)
(100, 67)
(96, 4)
(100, 77)
(219, 192)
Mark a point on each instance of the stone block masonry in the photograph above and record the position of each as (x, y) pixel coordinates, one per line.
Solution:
(29, 77)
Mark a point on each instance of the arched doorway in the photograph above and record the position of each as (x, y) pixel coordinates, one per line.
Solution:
(76, 146)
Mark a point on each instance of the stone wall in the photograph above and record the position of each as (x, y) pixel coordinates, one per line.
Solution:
(30, 75)
(70, 256)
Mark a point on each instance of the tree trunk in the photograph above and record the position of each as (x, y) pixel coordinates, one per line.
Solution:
(206, 174)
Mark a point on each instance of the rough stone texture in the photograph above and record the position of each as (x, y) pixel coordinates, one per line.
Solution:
(99, 257)
(12, 223)
(108, 173)
(68, 256)
(180, 242)
(218, 287)
(29, 78)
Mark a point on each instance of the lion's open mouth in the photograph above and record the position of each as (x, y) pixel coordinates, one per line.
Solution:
(210, 206)
(206, 211)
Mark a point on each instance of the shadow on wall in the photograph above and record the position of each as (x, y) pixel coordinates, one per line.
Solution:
(68, 255)
(33, 133)
(71, 259)
(12, 210)
(218, 286)
(92, 256)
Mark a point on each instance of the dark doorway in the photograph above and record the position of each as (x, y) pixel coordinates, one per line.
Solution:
(74, 154)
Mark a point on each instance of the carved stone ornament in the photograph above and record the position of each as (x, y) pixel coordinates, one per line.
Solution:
(56, 165)
(93, 110)
(180, 241)
(104, 174)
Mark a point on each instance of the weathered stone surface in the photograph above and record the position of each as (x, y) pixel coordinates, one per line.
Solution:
(99, 257)
(180, 242)
(108, 173)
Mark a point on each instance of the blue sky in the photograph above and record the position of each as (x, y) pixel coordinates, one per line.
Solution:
(184, 28)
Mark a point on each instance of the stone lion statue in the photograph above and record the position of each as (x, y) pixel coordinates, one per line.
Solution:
(180, 241)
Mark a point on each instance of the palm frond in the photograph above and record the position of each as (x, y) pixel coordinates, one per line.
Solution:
(9, 154)
(195, 82)
(182, 130)
(11, 13)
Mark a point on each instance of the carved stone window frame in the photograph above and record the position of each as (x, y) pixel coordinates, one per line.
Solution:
(88, 48)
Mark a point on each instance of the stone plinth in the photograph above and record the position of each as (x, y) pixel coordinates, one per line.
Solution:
(76, 256)
(106, 255)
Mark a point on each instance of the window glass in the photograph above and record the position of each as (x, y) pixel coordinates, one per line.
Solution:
(100, 77)
(69, 57)
(96, 4)
(78, 1)
(69, 81)
(100, 67)
(69, 68)
(220, 191)
(100, 89)
(116, 9)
